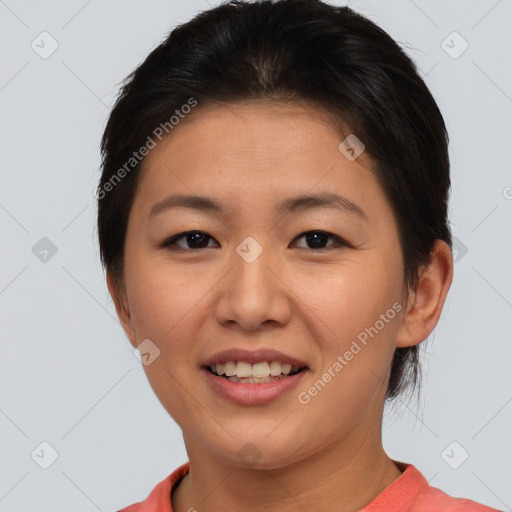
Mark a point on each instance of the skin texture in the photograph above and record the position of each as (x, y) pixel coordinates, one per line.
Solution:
(307, 302)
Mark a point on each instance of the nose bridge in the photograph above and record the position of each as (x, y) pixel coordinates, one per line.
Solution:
(252, 278)
(252, 294)
(251, 263)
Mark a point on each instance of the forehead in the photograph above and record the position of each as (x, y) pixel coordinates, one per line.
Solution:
(278, 132)
(260, 129)
(246, 151)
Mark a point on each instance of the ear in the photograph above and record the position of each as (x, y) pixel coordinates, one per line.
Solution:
(123, 312)
(425, 303)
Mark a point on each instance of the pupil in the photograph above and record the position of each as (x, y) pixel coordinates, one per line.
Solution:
(193, 238)
(312, 238)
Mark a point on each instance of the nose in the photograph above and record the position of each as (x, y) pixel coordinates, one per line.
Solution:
(253, 294)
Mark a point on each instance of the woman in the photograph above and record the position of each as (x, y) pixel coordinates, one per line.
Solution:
(272, 216)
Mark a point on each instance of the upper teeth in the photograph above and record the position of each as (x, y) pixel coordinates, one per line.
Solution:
(258, 370)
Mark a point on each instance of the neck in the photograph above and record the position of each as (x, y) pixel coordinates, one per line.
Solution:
(344, 477)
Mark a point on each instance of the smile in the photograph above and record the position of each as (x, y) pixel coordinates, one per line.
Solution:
(251, 390)
(262, 372)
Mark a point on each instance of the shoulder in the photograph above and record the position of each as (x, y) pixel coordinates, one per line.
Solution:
(131, 508)
(432, 498)
(159, 499)
(411, 492)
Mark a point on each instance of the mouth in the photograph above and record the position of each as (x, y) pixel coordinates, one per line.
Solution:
(262, 372)
(258, 383)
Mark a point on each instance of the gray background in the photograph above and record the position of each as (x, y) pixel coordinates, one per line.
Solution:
(68, 374)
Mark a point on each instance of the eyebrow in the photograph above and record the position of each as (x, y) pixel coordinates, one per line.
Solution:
(292, 205)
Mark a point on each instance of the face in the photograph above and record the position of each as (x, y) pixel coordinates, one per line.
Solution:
(322, 283)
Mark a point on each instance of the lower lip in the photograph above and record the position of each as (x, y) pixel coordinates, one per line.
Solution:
(252, 394)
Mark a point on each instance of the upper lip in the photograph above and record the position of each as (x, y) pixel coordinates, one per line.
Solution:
(252, 356)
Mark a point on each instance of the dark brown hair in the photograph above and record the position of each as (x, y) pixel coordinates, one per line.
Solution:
(291, 50)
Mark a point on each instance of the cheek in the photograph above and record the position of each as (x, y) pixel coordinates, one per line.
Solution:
(162, 301)
(359, 324)
(349, 297)
(356, 346)
(164, 307)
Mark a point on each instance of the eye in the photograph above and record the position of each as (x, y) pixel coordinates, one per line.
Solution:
(319, 238)
(196, 239)
(199, 240)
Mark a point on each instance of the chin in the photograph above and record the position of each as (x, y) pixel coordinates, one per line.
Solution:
(258, 451)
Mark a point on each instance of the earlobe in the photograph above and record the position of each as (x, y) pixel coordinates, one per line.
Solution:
(121, 308)
(426, 302)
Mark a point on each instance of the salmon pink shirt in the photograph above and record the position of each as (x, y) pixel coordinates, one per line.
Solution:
(410, 492)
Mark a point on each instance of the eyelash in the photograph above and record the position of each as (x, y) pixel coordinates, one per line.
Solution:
(170, 242)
